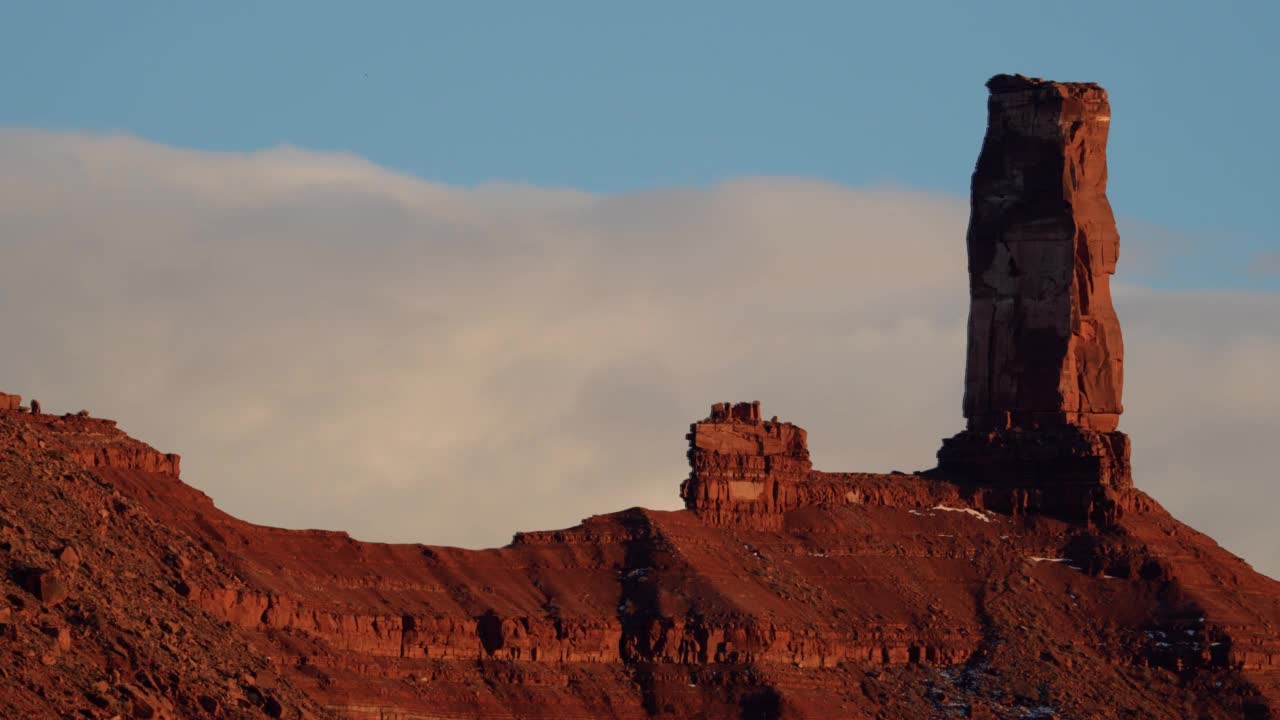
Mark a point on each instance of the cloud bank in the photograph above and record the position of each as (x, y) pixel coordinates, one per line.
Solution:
(1265, 264)
(330, 344)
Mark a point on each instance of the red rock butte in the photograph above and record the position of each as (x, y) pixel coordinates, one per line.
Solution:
(1024, 577)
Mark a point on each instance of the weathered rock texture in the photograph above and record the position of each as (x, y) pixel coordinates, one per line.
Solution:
(742, 466)
(9, 402)
(1045, 361)
(779, 592)
(97, 605)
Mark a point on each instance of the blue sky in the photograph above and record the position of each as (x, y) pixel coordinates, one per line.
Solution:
(614, 97)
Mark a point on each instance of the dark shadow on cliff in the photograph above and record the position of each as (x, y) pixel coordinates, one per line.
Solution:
(761, 704)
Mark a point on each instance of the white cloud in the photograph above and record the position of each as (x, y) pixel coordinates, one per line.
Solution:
(332, 344)
(1264, 264)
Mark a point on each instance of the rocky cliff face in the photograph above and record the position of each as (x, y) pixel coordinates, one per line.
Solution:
(1025, 577)
(96, 596)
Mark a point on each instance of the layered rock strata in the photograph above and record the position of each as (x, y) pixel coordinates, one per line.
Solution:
(743, 468)
(1045, 362)
(856, 595)
(10, 402)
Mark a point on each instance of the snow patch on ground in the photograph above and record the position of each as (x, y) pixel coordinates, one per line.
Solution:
(968, 511)
(1037, 559)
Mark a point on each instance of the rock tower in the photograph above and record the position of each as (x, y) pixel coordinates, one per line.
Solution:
(1045, 361)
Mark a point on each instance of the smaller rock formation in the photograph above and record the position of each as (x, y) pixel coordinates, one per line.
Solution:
(35, 406)
(742, 466)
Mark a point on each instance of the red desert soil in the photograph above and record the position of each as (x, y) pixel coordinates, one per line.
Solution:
(1025, 577)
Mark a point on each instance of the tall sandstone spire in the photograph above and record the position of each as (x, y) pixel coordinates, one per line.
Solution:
(1044, 368)
(1044, 340)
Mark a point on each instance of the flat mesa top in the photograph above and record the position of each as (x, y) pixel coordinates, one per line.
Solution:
(1020, 83)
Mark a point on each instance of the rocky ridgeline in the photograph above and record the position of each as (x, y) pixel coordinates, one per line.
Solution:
(95, 598)
(749, 473)
(885, 583)
(91, 442)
